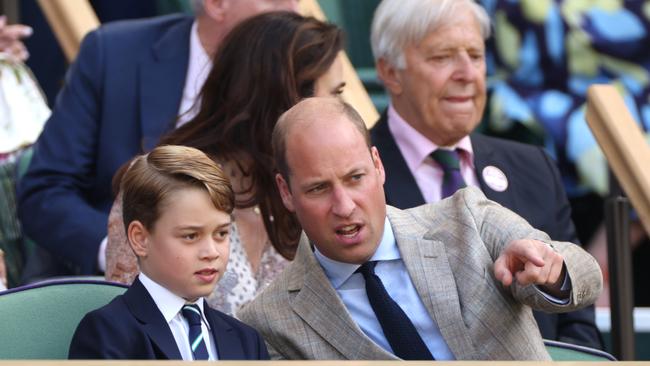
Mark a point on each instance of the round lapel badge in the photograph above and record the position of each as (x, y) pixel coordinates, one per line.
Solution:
(495, 178)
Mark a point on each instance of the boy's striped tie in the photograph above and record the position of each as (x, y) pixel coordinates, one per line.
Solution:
(192, 313)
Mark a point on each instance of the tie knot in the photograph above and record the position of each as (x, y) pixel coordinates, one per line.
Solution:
(448, 159)
(367, 269)
(192, 313)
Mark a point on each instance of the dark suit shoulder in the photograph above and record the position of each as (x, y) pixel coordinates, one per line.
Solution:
(508, 147)
(235, 339)
(128, 38)
(231, 321)
(529, 167)
(142, 27)
(108, 332)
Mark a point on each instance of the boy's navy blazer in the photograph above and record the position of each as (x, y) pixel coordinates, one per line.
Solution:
(132, 327)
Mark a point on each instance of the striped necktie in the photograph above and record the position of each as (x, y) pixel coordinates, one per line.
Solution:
(192, 313)
(452, 180)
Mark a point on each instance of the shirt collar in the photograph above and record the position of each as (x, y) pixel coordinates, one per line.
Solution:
(198, 54)
(339, 272)
(415, 147)
(167, 302)
(198, 68)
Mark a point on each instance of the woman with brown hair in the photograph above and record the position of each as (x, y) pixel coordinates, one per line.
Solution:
(264, 66)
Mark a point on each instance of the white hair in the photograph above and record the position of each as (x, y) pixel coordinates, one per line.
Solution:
(400, 23)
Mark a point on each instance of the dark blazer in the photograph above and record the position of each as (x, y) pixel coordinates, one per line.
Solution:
(534, 191)
(132, 327)
(121, 94)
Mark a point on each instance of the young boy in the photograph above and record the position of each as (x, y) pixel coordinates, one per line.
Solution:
(176, 208)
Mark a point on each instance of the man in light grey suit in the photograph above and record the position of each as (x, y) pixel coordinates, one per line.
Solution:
(464, 272)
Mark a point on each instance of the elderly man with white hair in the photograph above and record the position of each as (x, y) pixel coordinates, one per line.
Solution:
(430, 55)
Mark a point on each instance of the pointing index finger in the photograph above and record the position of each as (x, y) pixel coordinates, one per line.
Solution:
(527, 251)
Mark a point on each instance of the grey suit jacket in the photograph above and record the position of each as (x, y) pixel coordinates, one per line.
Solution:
(449, 249)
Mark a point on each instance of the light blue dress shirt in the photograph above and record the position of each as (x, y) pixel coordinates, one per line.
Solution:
(391, 270)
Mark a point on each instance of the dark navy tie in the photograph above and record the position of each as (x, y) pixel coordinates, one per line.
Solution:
(192, 313)
(452, 180)
(397, 327)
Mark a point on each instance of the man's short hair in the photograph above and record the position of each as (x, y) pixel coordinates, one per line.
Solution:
(400, 23)
(153, 177)
(306, 110)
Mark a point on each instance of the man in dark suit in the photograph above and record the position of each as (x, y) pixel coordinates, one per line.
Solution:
(129, 82)
(436, 83)
(177, 215)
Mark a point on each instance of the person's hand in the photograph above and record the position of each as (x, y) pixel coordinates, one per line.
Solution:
(3, 271)
(10, 39)
(530, 262)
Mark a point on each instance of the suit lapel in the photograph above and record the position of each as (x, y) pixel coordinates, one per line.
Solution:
(161, 81)
(485, 155)
(145, 310)
(331, 321)
(228, 347)
(428, 266)
(401, 189)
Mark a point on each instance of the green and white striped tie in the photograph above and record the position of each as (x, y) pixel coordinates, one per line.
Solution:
(192, 313)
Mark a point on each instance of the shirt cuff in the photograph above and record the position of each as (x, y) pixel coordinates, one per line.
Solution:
(565, 289)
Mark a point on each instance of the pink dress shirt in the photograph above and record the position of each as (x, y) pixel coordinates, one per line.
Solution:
(416, 150)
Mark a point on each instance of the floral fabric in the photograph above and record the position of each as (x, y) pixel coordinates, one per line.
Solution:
(546, 53)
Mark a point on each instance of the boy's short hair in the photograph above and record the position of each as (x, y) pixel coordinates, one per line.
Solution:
(152, 177)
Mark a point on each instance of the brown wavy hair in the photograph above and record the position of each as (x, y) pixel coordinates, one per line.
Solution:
(152, 178)
(264, 66)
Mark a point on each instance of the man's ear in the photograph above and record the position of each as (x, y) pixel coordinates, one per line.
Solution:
(138, 236)
(216, 9)
(285, 193)
(390, 76)
(379, 166)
